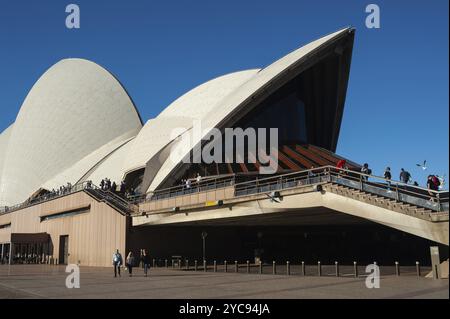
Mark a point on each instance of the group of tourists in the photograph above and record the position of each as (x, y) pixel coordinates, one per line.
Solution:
(433, 182)
(131, 262)
(187, 183)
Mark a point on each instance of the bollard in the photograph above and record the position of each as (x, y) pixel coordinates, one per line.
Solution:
(274, 268)
(418, 269)
(215, 266)
(260, 267)
(355, 269)
(248, 267)
(336, 265)
(195, 265)
(303, 269)
(154, 262)
(319, 269)
(173, 265)
(187, 264)
(166, 264)
(225, 264)
(397, 269)
(180, 264)
(236, 266)
(288, 268)
(204, 266)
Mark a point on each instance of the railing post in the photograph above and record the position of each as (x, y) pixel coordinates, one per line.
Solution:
(166, 264)
(397, 269)
(397, 195)
(215, 266)
(187, 264)
(336, 265)
(303, 269)
(204, 266)
(355, 269)
(225, 264)
(260, 267)
(154, 263)
(236, 266)
(248, 267)
(319, 269)
(195, 265)
(274, 268)
(438, 202)
(288, 268)
(418, 269)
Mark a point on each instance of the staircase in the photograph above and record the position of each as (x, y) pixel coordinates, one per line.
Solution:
(113, 200)
(388, 203)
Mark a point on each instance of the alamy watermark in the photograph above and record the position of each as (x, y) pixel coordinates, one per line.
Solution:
(373, 279)
(234, 145)
(73, 279)
(73, 19)
(373, 19)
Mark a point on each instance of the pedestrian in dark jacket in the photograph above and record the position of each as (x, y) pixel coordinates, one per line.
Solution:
(130, 263)
(145, 261)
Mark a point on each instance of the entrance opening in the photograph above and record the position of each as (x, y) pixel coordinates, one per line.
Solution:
(63, 249)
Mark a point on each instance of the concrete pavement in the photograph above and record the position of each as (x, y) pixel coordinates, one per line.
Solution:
(44, 281)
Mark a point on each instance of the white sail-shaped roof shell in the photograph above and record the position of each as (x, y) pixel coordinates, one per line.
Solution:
(75, 108)
(78, 123)
(242, 93)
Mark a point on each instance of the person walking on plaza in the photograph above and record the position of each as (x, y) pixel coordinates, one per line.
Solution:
(130, 263)
(117, 262)
(145, 261)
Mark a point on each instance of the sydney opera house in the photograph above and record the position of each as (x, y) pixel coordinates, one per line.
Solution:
(78, 126)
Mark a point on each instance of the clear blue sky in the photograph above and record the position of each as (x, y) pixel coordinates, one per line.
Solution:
(397, 105)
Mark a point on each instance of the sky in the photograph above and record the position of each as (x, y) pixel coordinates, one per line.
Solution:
(397, 106)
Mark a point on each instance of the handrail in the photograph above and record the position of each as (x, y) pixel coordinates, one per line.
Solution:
(74, 189)
(365, 182)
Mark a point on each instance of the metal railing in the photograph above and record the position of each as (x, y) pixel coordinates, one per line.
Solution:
(415, 195)
(205, 184)
(46, 197)
(100, 194)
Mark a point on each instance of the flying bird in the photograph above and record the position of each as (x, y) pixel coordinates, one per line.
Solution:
(423, 165)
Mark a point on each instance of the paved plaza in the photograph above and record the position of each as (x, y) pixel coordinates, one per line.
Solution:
(45, 281)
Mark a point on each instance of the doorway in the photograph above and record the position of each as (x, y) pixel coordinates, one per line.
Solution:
(63, 249)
